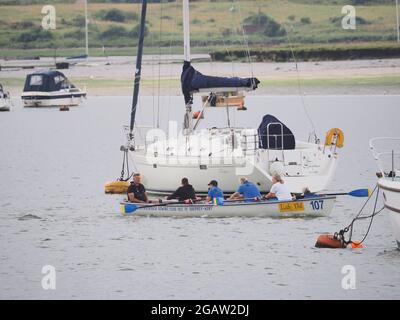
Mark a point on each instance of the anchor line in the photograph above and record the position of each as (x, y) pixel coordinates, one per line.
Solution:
(340, 235)
(125, 160)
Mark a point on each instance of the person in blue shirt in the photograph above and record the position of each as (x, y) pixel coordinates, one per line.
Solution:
(214, 192)
(247, 191)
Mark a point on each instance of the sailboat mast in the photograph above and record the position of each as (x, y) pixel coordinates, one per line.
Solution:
(186, 30)
(86, 29)
(138, 70)
(188, 118)
(397, 17)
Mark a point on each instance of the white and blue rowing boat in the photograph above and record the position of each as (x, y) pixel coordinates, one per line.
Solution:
(308, 207)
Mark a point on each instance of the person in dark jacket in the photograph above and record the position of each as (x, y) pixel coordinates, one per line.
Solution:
(136, 191)
(185, 192)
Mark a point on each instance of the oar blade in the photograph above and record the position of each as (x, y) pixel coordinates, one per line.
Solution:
(360, 193)
(128, 208)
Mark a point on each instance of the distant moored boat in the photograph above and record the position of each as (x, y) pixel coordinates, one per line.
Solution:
(5, 100)
(50, 88)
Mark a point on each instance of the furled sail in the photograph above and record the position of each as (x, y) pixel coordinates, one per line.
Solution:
(193, 81)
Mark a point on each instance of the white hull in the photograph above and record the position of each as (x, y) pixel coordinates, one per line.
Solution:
(391, 194)
(52, 99)
(309, 165)
(313, 207)
(387, 156)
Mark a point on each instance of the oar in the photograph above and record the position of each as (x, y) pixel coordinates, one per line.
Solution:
(130, 207)
(355, 193)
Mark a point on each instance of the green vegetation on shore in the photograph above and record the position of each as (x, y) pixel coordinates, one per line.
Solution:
(320, 52)
(313, 27)
(268, 84)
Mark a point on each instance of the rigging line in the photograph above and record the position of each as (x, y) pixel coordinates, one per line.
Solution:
(212, 62)
(245, 42)
(153, 82)
(229, 54)
(159, 65)
(232, 29)
(170, 56)
(133, 163)
(299, 86)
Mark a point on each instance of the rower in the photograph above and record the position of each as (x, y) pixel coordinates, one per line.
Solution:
(136, 191)
(247, 191)
(185, 192)
(279, 190)
(215, 194)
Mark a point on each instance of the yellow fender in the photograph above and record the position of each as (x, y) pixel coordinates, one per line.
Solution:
(335, 136)
(119, 187)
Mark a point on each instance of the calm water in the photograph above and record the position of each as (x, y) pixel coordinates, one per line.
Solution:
(53, 212)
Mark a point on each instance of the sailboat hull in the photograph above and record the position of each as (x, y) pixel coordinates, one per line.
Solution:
(391, 192)
(163, 175)
(52, 99)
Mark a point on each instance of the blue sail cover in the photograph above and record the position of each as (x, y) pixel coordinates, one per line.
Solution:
(270, 134)
(192, 80)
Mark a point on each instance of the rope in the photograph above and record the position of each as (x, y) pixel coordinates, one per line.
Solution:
(299, 86)
(159, 65)
(125, 161)
(340, 235)
(245, 42)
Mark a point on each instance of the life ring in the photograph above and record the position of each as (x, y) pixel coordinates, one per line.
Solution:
(334, 136)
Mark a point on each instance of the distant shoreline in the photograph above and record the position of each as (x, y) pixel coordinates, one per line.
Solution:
(114, 76)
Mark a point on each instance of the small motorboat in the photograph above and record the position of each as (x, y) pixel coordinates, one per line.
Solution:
(50, 88)
(5, 99)
(308, 207)
(386, 151)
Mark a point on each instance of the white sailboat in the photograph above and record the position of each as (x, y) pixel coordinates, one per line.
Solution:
(386, 152)
(226, 153)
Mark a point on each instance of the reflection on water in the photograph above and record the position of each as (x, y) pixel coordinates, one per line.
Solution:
(53, 211)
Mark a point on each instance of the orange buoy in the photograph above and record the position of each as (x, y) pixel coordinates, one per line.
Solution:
(116, 187)
(329, 241)
(355, 244)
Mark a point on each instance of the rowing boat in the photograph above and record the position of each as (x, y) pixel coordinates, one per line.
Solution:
(308, 207)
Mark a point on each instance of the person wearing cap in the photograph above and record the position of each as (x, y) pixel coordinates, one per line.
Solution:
(136, 191)
(214, 192)
(185, 192)
(247, 191)
(279, 190)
